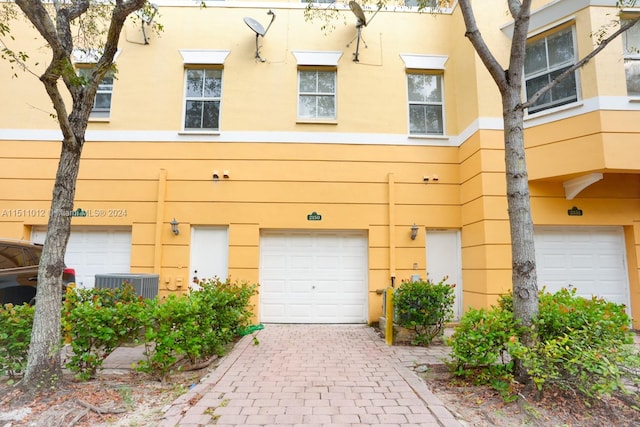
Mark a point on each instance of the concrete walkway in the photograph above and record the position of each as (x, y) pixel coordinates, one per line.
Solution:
(314, 375)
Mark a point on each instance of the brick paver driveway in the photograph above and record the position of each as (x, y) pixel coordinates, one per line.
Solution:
(313, 375)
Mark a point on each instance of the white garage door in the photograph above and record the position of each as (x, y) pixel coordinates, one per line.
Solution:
(590, 259)
(313, 277)
(92, 251)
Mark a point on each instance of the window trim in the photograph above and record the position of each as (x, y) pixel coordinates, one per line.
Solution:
(201, 131)
(557, 29)
(432, 72)
(635, 57)
(325, 120)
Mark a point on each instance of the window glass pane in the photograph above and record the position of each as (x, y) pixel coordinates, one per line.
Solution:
(414, 83)
(631, 40)
(433, 88)
(535, 58)
(308, 81)
(417, 119)
(103, 101)
(193, 115)
(84, 73)
(194, 82)
(564, 90)
(307, 106)
(326, 82)
(210, 115)
(534, 85)
(434, 119)
(213, 83)
(106, 83)
(424, 88)
(561, 48)
(326, 107)
(632, 69)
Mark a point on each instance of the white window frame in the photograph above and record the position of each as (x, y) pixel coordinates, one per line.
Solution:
(631, 52)
(318, 94)
(202, 99)
(410, 103)
(549, 70)
(104, 88)
(430, 4)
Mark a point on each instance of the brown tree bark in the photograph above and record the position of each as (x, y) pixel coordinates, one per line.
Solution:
(54, 21)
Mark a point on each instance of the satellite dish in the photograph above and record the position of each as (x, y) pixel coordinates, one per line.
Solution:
(357, 10)
(257, 28)
(362, 22)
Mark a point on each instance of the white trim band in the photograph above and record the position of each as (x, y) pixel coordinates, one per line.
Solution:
(204, 57)
(424, 62)
(322, 58)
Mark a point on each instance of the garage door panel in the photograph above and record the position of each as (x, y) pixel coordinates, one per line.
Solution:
(325, 276)
(92, 251)
(590, 259)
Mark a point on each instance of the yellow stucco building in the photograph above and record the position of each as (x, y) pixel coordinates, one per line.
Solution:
(306, 164)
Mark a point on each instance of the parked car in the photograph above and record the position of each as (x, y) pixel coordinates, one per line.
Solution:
(19, 262)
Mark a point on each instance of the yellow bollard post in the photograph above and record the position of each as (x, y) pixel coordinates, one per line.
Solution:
(388, 327)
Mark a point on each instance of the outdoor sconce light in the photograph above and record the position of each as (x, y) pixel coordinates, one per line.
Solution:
(414, 231)
(174, 226)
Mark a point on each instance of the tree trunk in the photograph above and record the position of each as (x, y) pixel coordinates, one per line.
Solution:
(44, 367)
(524, 276)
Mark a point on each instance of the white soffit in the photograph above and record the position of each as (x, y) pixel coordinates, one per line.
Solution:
(555, 11)
(324, 58)
(424, 62)
(213, 57)
(574, 186)
(89, 56)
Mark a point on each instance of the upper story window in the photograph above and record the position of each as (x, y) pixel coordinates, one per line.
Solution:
(316, 94)
(631, 48)
(427, 3)
(546, 58)
(426, 112)
(203, 91)
(102, 103)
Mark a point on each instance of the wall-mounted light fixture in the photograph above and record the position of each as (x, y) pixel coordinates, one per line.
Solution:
(216, 175)
(414, 231)
(174, 226)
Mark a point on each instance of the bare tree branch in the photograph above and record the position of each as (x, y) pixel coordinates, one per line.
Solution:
(518, 42)
(475, 37)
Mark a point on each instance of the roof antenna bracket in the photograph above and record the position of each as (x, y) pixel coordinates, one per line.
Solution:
(257, 28)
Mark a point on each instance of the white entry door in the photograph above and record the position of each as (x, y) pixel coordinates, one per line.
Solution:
(444, 259)
(589, 259)
(94, 250)
(313, 277)
(209, 253)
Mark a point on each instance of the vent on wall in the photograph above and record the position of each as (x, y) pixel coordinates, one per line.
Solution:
(145, 285)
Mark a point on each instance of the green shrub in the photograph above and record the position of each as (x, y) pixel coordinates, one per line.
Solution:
(424, 307)
(15, 335)
(194, 326)
(480, 344)
(583, 345)
(97, 321)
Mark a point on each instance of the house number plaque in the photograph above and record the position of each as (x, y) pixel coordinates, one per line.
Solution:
(574, 211)
(314, 216)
